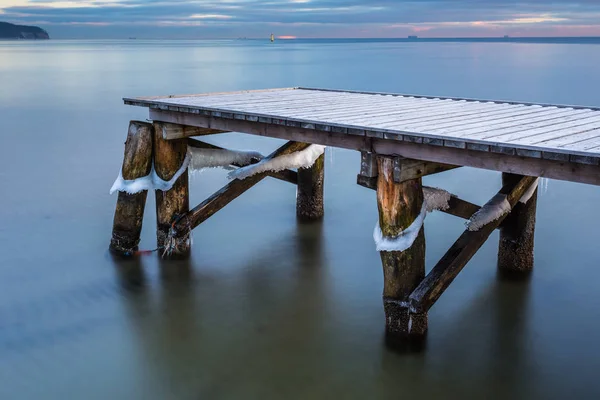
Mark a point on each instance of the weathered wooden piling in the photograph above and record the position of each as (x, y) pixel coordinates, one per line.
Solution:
(399, 205)
(515, 250)
(309, 197)
(169, 156)
(129, 213)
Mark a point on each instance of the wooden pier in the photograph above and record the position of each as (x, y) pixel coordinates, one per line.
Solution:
(401, 139)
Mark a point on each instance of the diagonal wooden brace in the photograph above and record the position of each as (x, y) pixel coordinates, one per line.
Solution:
(228, 193)
(444, 272)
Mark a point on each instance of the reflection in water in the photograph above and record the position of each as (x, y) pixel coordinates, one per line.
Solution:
(200, 336)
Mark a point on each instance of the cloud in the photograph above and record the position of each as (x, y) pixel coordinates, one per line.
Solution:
(333, 18)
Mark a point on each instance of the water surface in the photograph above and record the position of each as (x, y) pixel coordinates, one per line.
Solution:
(266, 307)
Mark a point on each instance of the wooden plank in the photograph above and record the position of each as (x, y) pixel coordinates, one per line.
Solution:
(483, 117)
(485, 130)
(549, 168)
(149, 99)
(532, 136)
(340, 109)
(574, 106)
(242, 104)
(459, 254)
(509, 130)
(370, 117)
(172, 131)
(564, 139)
(242, 98)
(591, 143)
(463, 110)
(227, 194)
(382, 116)
(407, 169)
(276, 104)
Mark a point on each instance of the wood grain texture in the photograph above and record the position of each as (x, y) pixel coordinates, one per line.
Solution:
(500, 124)
(129, 212)
(399, 204)
(172, 131)
(515, 248)
(551, 165)
(309, 196)
(168, 158)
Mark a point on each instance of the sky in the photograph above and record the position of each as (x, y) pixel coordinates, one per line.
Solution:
(305, 18)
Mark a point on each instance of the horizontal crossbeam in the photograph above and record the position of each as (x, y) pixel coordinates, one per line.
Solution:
(228, 193)
(457, 207)
(176, 131)
(287, 175)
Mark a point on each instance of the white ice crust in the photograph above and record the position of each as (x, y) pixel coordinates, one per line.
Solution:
(494, 209)
(434, 199)
(213, 158)
(300, 159)
(149, 182)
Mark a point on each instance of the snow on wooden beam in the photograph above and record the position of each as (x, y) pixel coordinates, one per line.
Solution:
(227, 194)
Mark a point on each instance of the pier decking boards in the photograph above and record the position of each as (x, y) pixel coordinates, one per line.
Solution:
(401, 139)
(553, 141)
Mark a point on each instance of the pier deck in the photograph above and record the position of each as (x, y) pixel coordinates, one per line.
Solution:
(553, 141)
(401, 139)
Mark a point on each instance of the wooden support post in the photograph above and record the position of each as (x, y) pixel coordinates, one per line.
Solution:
(169, 156)
(129, 213)
(399, 205)
(515, 250)
(309, 196)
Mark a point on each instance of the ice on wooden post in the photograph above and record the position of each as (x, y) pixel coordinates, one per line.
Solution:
(401, 213)
(402, 241)
(169, 159)
(129, 212)
(149, 182)
(434, 199)
(515, 248)
(300, 159)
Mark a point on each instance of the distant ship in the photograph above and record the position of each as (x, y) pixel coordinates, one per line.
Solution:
(272, 38)
(413, 37)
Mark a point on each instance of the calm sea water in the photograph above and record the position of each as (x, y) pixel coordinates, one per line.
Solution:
(267, 308)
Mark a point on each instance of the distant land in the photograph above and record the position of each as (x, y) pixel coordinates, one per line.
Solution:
(11, 31)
